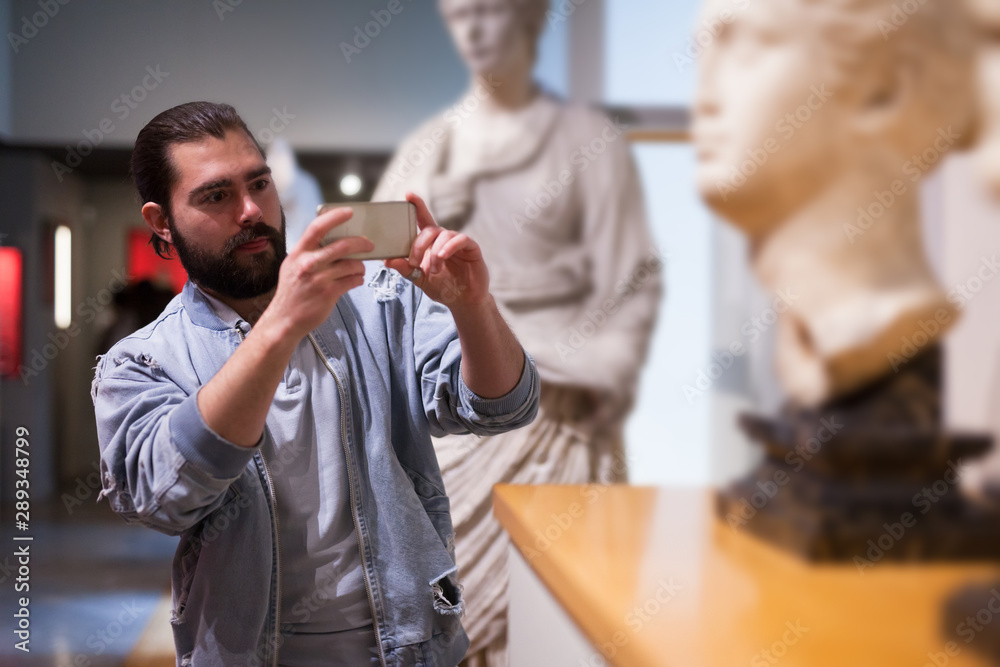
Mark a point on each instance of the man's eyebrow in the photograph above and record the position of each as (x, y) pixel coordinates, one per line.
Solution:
(212, 185)
(225, 182)
(257, 173)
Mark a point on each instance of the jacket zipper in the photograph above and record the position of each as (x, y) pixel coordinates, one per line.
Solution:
(350, 489)
(277, 540)
(277, 551)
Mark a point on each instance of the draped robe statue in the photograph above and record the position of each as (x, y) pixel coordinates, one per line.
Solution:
(551, 194)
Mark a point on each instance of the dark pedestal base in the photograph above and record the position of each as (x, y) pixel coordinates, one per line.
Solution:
(820, 519)
(869, 477)
(971, 619)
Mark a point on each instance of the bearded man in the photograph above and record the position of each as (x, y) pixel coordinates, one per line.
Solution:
(278, 416)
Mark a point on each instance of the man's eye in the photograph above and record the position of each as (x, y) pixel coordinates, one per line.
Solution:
(214, 197)
(261, 184)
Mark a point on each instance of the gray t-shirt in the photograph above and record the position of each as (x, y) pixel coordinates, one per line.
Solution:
(325, 615)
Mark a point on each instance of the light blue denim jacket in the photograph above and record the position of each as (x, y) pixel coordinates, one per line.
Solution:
(398, 367)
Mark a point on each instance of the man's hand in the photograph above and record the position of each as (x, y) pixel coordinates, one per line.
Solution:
(234, 403)
(313, 278)
(452, 270)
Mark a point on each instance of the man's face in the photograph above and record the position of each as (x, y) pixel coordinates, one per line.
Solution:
(764, 124)
(487, 33)
(226, 221)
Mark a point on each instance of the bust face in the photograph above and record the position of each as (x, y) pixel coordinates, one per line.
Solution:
(987, 15)
(986, 12)
(989, 86)
(766, 123)
(487, 33)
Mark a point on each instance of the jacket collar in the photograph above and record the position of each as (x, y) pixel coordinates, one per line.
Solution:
(199, 309)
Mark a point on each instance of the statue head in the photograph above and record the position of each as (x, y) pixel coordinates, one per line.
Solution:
(987, 17)
(987, 13)
(495, 36)
(795, 94)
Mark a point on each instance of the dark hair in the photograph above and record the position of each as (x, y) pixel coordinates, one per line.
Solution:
(152, 171)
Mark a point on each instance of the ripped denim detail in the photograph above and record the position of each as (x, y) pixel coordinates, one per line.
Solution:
(147, 360)
(143, 358)
(447, 595)
(109, 485)
(97, 379)
(387, 284)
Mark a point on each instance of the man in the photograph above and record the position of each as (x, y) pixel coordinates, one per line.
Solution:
(277, 415)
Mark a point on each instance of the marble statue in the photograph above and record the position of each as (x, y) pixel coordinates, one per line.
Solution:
(298, 190)
(987, 16)
(814, 122)
(550, 192)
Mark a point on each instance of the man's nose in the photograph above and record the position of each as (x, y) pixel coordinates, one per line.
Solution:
(251, 212)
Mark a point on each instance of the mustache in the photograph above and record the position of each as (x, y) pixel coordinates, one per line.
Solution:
(259, 230)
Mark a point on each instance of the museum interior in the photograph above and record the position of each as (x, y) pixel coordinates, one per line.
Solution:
(750, 247)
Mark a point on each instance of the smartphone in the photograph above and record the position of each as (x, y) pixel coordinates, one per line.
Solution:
(391, 226)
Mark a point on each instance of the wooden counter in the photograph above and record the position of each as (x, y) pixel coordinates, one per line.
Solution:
(651, 577)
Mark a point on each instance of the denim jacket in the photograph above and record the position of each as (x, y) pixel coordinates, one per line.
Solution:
(397, 364)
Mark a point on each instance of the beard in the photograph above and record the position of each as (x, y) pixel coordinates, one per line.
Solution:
(229, 274)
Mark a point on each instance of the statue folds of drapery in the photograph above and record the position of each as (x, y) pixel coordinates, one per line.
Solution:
(551, 194)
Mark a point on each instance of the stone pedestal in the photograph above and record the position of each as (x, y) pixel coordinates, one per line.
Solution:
(971, 619)
(869, 476)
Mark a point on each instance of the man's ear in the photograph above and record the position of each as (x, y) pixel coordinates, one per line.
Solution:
(153, 215)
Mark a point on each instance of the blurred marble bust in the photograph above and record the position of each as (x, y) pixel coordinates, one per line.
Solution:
(814, 123)
(298, 190)
(987, 16)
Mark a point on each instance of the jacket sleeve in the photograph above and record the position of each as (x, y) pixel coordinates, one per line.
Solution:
(450, 405)
(161, 465)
